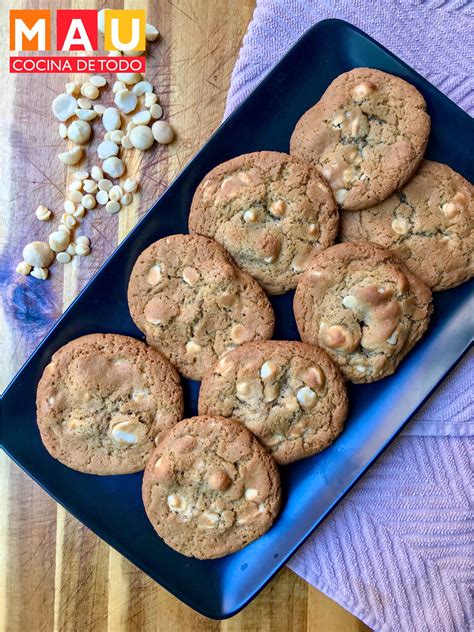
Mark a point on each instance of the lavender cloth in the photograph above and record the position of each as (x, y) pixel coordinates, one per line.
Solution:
(398, 551)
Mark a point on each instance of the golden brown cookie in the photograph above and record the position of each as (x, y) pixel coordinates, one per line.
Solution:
(288, 394)
(210, 488)
(364, 307)
(428, 224)
(104, 400)
(270, 211)
(194, 304)
(366, 136)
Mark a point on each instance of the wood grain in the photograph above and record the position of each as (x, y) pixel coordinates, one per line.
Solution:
(54, 573)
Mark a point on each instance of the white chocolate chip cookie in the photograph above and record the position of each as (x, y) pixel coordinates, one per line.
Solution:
(366, 136)
(104, 400)
(288, 394)
(364, 307)
(270, 211)
(428, 224)
(193, 304)
(210, 488)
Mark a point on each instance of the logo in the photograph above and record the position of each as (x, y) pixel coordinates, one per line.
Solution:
(76, 30)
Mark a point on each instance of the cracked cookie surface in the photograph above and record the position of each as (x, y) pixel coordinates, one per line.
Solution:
(366, 136)
(270, 211)
(428, 224)
(194, 304)
(103, 401)
(288, 394)
(210, 488)
(364, 307)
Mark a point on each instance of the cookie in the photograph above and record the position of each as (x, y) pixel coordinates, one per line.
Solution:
(210, 488)
(270, 211)
(194, 304)
(428, 224)
(104, 400)
(364, 307)
(366, 136)
(288, 394)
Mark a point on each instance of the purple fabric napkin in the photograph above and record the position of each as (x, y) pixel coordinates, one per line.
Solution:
(398, 551)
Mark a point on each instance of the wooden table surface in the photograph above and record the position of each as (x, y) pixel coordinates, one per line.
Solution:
(54, 573)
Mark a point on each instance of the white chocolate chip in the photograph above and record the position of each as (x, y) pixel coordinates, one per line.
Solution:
(68, 220)
(62, 130)
(191, 276)
(105, 185)
(58, 241)
(141, 137)
(142, 118)
(350, 302)
(111, 119)
(151, 32)
(126, 142)
(82, 174)
(43, 213)
(363, 90)
(250, 216)
(82, 250)
(38, 254)
(130, 185)
(156, 111)
(64, 106)
(142, 87)
(208, 520)
(82, 239)
(80, 211)
(71, 157)
(129, 78)
(123, 432)
(192, 348)
(118, 85)
(239, 334)
(88, 201)
(251, 493)
(126, 101)
(306, 397)
(154, 275)
(450, 210)
(73, 87)
(112, 207)
(69, 206)
(177, 503)
(115, 193)
(84, 104)
(340, 195)
(393, 338)
(86, 115)
(63, 257)
(116, 136)
(79, 132)
(126, 199)
(40, 273)
(150, 99)
(113, 167)
(278, 208)
(90, 186)
(23, 268)
(71, 249)
(162, 132)
(273, 440)
(400, 226)
(98, 81)
(97, 173)
(89, 91)
(106, 149)
(100, 109)
(268, 371)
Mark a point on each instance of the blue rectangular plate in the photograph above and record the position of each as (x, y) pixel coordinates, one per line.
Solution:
(112, 506)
